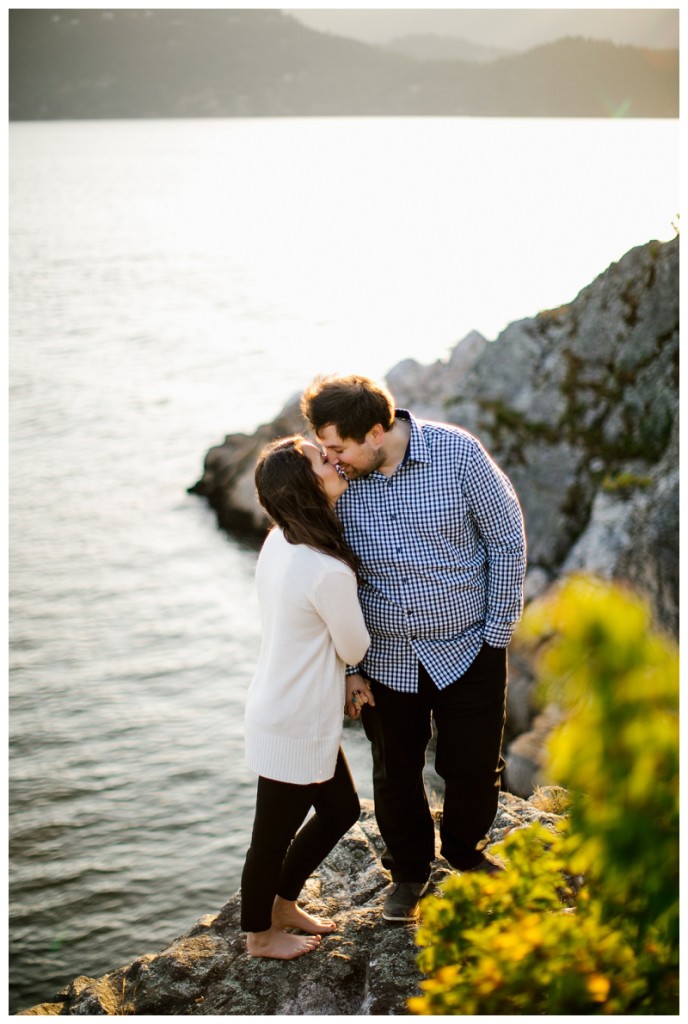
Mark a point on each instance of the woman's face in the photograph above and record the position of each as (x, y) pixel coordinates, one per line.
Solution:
(332, 483)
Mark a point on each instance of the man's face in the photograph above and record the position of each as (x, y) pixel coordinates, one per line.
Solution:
(353, 458)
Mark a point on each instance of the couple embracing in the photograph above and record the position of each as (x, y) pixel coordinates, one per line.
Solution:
(389, 586)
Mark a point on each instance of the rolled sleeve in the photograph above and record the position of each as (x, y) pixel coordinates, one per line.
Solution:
(498, 517)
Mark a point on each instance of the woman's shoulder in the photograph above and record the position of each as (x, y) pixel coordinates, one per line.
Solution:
(309, 560)
(322, 563)
(331, 565)
(273, 542)
(273, 537)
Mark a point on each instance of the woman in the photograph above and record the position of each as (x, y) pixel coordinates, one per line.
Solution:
(312, 625)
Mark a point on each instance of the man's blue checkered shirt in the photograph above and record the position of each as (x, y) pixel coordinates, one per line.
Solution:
(442, 549)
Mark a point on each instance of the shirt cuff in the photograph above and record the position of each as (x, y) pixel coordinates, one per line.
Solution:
(353, 670)
(497, 634)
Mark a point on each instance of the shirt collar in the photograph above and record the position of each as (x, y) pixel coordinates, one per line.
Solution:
(417, 450)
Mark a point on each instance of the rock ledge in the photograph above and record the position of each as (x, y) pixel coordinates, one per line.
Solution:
(366, 968)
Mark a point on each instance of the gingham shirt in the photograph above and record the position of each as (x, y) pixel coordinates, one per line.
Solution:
(442, 549)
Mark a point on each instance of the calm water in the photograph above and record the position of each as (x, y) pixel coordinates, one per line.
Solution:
(171, 282)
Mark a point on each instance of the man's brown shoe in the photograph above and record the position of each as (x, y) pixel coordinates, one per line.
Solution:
(401, 901)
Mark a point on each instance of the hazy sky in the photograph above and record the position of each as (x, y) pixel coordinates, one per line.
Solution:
(508, 28)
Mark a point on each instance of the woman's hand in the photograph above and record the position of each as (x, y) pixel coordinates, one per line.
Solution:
(358, 693)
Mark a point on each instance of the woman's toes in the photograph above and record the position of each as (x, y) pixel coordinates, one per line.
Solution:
(292, 916)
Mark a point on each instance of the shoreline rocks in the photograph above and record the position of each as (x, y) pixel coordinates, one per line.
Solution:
(366, 968)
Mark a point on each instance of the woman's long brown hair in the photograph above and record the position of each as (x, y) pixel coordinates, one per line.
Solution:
(295, 500)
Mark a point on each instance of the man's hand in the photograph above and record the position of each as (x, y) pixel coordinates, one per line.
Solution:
(358, 693)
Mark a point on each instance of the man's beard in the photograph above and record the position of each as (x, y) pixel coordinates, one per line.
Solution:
(376, 460)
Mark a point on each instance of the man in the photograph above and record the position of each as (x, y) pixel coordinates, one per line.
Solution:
(439, 533)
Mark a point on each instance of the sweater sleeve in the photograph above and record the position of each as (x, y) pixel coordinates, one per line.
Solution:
(336, 600)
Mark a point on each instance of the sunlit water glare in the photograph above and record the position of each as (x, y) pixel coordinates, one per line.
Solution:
(172, 281)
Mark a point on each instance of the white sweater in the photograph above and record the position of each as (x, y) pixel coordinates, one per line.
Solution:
(312, 627)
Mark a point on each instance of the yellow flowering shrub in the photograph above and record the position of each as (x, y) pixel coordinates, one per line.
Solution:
(583, 920)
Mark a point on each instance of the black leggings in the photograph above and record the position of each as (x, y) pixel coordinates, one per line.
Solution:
(279, 860)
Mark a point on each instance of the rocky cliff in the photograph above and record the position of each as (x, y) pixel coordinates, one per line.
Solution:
(579, 405)
(366, 968)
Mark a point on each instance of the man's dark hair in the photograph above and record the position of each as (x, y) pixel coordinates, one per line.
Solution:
(353, 405)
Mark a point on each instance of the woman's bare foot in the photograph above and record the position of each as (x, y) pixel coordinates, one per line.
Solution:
(280, 945)
(286, 914)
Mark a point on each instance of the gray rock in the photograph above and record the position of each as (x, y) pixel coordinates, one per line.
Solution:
(565, 400)
(650, 562)
(428, 388)
(367, 968)
(535, 584)
(606, 537)
(525, 757)
(228, 472)
(547, 481)
(519, 709)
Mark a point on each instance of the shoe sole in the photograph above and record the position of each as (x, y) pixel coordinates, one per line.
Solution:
(401, 920)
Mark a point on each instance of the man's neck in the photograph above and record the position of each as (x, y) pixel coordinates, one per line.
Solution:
(396, 443)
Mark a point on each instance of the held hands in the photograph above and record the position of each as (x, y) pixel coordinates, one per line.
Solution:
(358, 693)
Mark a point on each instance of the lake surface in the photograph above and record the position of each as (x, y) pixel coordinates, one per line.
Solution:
(171, 282)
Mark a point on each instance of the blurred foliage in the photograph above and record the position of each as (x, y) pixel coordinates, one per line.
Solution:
(584, 919)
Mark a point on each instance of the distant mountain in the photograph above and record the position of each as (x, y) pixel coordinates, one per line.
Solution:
(433, 47)
(514, 29)
(86, 63)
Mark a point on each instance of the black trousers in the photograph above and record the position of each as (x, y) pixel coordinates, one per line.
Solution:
(469, 716)
(279, 859)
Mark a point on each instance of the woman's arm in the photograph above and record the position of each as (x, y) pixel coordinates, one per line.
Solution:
(336, 599)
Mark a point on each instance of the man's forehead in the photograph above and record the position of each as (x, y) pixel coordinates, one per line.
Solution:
(329, 437)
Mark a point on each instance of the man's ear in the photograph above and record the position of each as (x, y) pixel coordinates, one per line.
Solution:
(377, 434)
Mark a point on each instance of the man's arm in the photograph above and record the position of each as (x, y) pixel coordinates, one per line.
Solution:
(497, 514)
